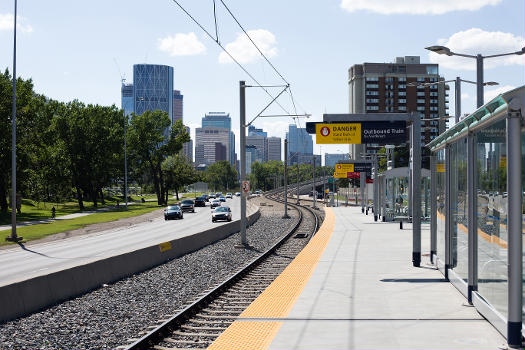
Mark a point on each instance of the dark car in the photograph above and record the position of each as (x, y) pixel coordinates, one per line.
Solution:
(206, 197)
(173, 212)
(221, 213)
(200, 202)
(222, 199)
(187, 205)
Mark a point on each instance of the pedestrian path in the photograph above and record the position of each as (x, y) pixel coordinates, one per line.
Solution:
(64, 217)
(354, 287)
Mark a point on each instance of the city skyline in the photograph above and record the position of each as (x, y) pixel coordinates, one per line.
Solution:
(88, 65)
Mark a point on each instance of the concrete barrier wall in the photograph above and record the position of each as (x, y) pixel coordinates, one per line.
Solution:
(25, 297)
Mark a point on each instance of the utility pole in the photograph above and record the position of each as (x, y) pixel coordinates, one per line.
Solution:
(324, 182)
(242, 130)
(298, 183)
(13, 237)
(285, 216)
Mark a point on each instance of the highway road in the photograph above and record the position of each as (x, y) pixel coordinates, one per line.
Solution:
(21, 263)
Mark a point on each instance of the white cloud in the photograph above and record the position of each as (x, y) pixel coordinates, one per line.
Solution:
(465, 96)
(415, 7)
(489, 94)
(181, 45)
(244, 51)
(477, 41)
(6, 23)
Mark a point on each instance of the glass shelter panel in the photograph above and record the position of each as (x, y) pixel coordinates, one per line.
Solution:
(492, 215)
(440, 205)
(523, 222)
(458, 206)
(425, 198)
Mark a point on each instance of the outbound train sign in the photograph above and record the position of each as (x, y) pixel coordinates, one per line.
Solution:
(351, 170)
(390, 132)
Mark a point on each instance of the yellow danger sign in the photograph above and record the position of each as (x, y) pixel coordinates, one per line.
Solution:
(344, 168)
(338, 133)
(440, 167)
(503, 161)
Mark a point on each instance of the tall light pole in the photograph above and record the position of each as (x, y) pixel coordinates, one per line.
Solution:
(457, 91)
(126, 161)
(443, 50)
(13, 237)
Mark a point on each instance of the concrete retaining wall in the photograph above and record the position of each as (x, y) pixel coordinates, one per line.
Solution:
(22, 298)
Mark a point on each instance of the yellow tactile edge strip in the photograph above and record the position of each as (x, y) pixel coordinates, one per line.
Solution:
(278, 299)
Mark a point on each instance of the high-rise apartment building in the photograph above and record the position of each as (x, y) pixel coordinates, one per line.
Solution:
(300, 145)
(221, 120)
(211, 145)
(331, 159)
(274, 148)
(387, 88)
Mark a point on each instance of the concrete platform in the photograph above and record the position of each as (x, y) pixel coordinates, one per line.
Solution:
(360, 291)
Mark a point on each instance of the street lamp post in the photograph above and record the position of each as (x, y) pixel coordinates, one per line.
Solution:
(13, 237)
(457, 91)
(443, 50)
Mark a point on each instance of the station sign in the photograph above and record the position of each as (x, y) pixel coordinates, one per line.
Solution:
(358, 167)
(388, 132)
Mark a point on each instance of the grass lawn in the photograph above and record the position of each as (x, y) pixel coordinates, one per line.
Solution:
(41, 230)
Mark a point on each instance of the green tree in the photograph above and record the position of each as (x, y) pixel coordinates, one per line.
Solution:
(24, 95)
(221, 175)
(150, 145)
(90, 140)
(178, 172)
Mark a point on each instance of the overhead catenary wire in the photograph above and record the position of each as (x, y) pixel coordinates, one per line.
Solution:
(215, 19)
(229, 54)
(254, 44)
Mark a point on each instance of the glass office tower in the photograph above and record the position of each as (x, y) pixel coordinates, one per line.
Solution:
(153, 88)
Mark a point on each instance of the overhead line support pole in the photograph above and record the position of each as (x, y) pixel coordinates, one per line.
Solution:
(242, 130)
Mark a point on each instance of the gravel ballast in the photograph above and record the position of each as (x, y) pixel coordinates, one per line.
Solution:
(109, 316)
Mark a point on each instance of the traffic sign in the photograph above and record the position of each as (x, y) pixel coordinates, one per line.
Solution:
(246, 186)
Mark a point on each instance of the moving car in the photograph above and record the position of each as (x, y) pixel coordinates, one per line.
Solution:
(238, 194)
(206, 197)
(211, 195)
(218, 194)
(200, 202)
(215, 203)
(187, 205)
(173, 212)
(229, 195)
(221, 213)
(222, 199)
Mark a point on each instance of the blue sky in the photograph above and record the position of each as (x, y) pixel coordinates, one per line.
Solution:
(72, 49)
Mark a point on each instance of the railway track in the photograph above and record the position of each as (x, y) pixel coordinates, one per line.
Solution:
(200, 323)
